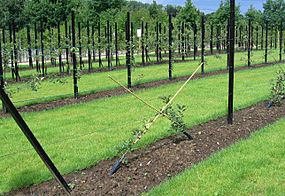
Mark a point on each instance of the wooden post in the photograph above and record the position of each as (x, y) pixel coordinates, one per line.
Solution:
(170, 47)
(80, 46)
(257, 37)
(262, 37)
(249, 44)
(12, 52)
(179, 39)
(67, 44)
(108, 45)
(75, 84)
(157, 45)
(240, 37)
(276, 37)
(132, 42)
(146, 43)
(93, 43)
(218, 43)
(36, 48)
(211, 38)
(203, 43)
(271, 38)
(33, 140)
(231, 63)
(99, 43)
(281, 41)
(88, 48)
(2, 73)
(160, 41)
(266, 41)
(29, 47)
(42, 49)
(195, 41)
(183, 41)
(128, 49)
(59, 47)
(142, 43)
(116, 45)
(228, 43)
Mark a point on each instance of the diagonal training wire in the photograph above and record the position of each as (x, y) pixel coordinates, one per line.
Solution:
(139, 98)
(152, 121)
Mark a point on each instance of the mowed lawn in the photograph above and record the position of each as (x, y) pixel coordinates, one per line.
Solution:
(80, 135)
(91, 83)
(251, 167)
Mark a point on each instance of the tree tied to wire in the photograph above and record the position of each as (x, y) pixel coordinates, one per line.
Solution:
(278, 89)
(175, 114)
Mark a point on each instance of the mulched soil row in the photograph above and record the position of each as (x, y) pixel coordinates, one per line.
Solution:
(118, 91)
(163, 159)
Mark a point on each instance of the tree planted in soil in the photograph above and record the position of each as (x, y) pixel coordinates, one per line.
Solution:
(278, 89)
(173, 113)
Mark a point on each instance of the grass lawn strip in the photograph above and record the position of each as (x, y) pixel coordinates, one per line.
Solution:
(252, 167)
(249, 168)
(78, 136)
(92, 83)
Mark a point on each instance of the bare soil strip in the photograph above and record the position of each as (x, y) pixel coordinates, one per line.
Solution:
(163, 159)
(119, 91)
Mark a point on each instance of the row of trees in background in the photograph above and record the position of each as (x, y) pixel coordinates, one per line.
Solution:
(21, 13)
(42, 28)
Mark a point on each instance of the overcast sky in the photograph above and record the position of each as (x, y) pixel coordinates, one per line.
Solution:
(211, 5)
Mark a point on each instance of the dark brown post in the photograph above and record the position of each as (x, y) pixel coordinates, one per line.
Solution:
(108, 45)
(231, 63)
(12, 52)
(257, 37)
(146, 43)
(183, 41)
(89, 48)
(240, 37)
(80, 46)
(262, 36)
(128, 53)
(42, 49)
(59, 47)
(99, 43)
(37, 50)
(281, 41)
(170, 47)
(2, 74)
(75, 85)
(93, 43)
(211, 38)
(160, 42)
(67, 43)
(266, 41)
(203, 43)
(142, 43)
(249, 44)
(116, 45)
(29, 47)
(195, 41)
(157, 45)
(33, 140)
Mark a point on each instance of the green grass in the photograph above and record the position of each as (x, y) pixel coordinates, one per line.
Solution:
(98, 82)
(78, 136)
(251, 167)
(122, 58)
(52, 70)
